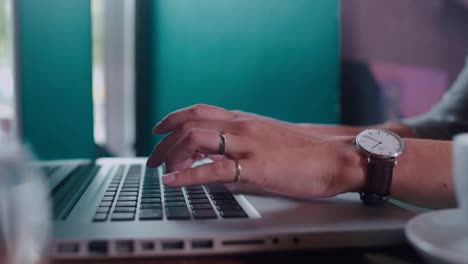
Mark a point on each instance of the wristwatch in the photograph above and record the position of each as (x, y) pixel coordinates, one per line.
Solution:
(382, 148)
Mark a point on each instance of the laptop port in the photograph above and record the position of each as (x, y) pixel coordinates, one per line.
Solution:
(97, 248)
(275, 241)
(173, 245)
(68, 248)
(202, 244)
(296, 240)
(148, 246)
(124, 246)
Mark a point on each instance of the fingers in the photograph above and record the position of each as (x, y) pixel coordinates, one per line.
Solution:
(206, 142)
(165, 145)
(223, 171)
(193, 113)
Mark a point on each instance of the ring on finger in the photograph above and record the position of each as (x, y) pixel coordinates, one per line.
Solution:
(238, 171)
(222, 143)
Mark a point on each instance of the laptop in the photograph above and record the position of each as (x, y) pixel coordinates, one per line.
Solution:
(117, 207)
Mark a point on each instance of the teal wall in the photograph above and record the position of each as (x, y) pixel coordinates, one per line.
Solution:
(273, 57)
(54, 77)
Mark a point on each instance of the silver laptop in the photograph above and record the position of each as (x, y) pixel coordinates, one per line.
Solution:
(119, 208)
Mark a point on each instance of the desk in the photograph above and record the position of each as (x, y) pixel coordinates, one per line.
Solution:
(394, 255)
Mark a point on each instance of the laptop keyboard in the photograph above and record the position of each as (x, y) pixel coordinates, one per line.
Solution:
(129, 197)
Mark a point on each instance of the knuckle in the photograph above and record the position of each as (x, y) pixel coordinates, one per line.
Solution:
(197, 110)
(248, 126)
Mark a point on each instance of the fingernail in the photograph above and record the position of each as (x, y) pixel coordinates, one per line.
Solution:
(169, 178)
(156, 128)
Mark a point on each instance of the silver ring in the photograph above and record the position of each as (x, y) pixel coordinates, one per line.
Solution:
(222, 143)
(238, 171)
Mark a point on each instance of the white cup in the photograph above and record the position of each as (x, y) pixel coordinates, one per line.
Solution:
(460, 166)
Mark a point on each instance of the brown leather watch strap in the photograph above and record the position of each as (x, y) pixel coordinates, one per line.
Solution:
(379, 179)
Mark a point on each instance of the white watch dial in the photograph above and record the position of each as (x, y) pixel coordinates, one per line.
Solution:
(380, 142)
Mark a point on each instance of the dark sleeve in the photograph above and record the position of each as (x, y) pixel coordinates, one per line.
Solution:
(448, 117)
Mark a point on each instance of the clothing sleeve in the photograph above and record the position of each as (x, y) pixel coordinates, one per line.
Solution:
(448, 117)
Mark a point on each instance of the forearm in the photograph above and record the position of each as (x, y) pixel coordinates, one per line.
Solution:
(340, 130)
(423, 176)
(336, 130)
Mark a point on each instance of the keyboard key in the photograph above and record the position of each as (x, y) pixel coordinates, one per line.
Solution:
(233, 214)
(128, 194)
(176, 204)
(150, 200)
(150, 206)
(129, 189)
(174, 199)
(202, 206)
(177, 213)
(158, 192)
(199, 201)
(152, 181)
(150, 195)
(100, 217)
(122, 216)
(198, 187)
(109, 194)
(150, 214)
(132, 179)
(103, 210)
(216, 188)
(125, 204)
(168, 190)
(218, 202)
(127, 199)
(107, 198)
(204, 214)
(124, 209)
(151, 191)
(132, 185)
(105, 204)
(190, 192)
(174, 194)
(197, 196)
(132, 182)
(148, 185)
(221, 196)
(151, 186)
(223, 207)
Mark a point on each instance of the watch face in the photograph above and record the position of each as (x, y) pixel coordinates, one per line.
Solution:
(380, 143)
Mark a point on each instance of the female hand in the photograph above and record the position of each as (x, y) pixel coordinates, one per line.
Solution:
(271, 156)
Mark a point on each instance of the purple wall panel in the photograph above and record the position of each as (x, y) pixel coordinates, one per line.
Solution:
(429, 33)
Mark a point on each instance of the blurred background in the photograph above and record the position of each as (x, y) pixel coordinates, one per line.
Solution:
(90, 79)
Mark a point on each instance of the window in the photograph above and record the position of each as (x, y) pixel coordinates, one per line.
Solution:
(113, 75)
(7, 112)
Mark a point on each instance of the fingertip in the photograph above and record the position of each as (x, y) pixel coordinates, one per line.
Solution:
(157, 128)
(150, 163)
(170, 179)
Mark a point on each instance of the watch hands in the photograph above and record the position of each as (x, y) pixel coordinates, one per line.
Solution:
(373, 139)
(377, 145)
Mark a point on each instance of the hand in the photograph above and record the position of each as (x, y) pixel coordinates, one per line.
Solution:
(272, 156)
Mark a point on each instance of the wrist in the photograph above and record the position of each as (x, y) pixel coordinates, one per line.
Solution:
(352, 165)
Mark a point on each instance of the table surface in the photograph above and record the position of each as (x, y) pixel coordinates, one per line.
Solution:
(393, 255)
